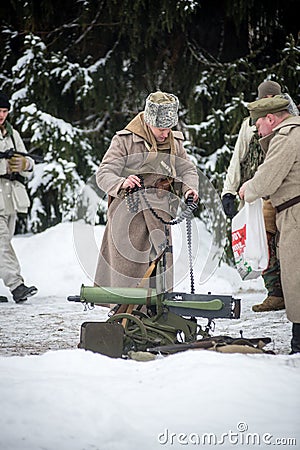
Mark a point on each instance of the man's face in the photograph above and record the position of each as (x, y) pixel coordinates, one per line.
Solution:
(160, 134)
(265, 125)
(3, 115)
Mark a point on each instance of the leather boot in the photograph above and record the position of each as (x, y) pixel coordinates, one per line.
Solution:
(21, 293)
(295, 342)
(271, 303)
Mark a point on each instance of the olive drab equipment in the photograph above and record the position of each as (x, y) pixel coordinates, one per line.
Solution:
(173, 322)
(147, 320)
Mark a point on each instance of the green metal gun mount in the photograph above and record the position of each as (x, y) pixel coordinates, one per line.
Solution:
(157, 319)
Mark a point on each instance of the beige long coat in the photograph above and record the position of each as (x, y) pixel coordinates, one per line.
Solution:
(279, 178)
(132, 240)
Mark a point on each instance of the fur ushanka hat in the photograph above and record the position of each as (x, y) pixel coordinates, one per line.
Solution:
(161, 110)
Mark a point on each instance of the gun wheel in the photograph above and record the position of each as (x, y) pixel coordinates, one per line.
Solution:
(134, 327)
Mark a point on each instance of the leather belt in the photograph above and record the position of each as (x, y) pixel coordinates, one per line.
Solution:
(287, 204)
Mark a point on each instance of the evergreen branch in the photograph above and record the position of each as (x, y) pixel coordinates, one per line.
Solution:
(203, 56)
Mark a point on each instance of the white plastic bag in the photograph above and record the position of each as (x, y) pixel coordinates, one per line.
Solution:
(249, 241)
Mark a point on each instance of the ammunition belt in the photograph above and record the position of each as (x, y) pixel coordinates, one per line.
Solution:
(132, 200)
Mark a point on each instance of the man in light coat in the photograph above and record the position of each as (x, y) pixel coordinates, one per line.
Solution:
(279, 179)
(146, 154)
(13, 200)
(246, 158)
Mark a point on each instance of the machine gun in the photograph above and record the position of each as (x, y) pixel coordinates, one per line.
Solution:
(155, 321)
(170, 318)
(7, 154)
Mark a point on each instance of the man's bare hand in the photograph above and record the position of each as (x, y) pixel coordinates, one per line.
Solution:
(242, 190)
(131, 182)
(193, 193)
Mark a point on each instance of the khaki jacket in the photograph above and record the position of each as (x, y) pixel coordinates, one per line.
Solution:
(279, 178)
(233, 177)
(128, 154)
(279, 175)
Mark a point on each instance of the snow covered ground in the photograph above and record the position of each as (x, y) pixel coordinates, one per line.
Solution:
(55, 396)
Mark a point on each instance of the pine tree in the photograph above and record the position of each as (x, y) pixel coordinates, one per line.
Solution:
(65, 147)
(79, 75)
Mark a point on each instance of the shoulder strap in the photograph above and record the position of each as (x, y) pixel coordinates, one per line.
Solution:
(10, 132)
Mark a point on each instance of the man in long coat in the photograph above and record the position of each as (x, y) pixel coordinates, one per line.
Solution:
(146, 154)
(246, 158)
(279, 179)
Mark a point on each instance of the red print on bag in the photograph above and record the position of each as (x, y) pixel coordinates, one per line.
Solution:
(239, 240)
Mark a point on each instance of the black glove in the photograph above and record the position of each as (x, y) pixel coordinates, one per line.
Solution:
(228, 202)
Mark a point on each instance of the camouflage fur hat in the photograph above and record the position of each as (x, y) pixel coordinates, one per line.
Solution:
(264, 106)
(161, 110)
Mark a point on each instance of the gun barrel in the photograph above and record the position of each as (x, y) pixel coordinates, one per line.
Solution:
(74, 298)
(118, 296)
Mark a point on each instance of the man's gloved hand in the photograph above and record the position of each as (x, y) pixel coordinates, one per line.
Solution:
(228, 202)
(17, 163)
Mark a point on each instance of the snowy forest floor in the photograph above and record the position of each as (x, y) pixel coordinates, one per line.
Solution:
(52, 323)
(48, 321)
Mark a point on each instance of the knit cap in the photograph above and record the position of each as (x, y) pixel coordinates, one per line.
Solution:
(268, 88)
(4, 101)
